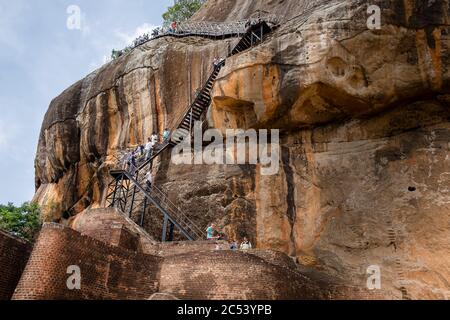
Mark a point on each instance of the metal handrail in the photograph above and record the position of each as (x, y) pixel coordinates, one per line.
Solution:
(175, 212)
(164, 199)
(175, 221)
(203, 89)
(210, 29)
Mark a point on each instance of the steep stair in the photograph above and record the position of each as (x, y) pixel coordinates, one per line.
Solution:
(129, 193)
(142, 195)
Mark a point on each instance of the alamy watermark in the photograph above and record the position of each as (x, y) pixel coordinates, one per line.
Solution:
(374, 279)
(238, 147)
(74, 19)
(374, 20)
(74, 280)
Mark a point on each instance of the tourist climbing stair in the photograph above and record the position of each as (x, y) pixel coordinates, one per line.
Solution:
(129, 192)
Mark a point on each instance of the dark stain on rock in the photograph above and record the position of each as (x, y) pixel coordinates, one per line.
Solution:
(122, 105)
(290, 198)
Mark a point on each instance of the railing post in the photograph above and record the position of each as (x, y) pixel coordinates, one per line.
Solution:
(134, 196)
(123, 195)
(190, 124)
(132, 202)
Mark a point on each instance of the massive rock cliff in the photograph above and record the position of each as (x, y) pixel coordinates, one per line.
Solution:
(364, 119)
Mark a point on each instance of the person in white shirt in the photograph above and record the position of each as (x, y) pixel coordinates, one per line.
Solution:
(246, 245)
(149, 180)
(155, 138)
(148, 149)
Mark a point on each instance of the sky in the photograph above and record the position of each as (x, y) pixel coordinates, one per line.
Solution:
(44, 50)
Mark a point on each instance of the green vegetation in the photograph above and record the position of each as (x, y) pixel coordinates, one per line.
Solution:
(23, 221)
(181, 11)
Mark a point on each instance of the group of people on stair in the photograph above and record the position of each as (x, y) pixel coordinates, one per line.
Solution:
(144, 152)
(217, 62)
(213, 234)
(253, 22)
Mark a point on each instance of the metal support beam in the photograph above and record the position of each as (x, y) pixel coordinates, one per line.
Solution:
(132, 202)
(164, 232)
(116, 185)
(171, 230)
(262, 33)
(123, 194)
(141, 223)
(133, 197)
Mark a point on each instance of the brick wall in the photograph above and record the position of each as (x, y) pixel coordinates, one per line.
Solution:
(343, 292)
(185, 270)
(107, 272)
(275, 257)
(14, 254)
(126, 239)
(232, 275)
(173, 248)
(111, 226)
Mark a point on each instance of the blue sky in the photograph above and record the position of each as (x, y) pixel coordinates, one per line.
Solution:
(40, 57)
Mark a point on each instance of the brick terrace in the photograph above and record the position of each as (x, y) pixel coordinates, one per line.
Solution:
(14, 254)
(117, 261)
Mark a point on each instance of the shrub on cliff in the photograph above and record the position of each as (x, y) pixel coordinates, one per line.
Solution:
(23, 221)
(181, 11)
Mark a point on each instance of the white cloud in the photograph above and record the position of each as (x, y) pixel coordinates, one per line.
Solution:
(128, 38)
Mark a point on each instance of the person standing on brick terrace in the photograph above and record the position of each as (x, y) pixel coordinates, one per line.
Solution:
(210, 232)
(246, 245)
(233, 245)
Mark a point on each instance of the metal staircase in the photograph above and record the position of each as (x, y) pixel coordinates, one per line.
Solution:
(198, 108)
(254, 35)
(217, 30)
(130, 193)
(132, 196)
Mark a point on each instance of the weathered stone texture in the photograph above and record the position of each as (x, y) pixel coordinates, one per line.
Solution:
(364, 116)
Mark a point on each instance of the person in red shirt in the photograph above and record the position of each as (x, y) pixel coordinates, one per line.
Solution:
(174, 26)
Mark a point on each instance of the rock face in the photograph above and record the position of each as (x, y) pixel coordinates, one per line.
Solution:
(364, 117)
